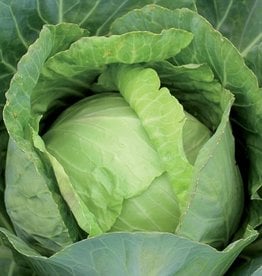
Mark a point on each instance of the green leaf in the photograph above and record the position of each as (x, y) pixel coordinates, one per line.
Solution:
(36, 208)
(93, 53)
(29, 68)
(163, 119)
(134, 254)
(221, 192)
(45, 196)
(240, 21)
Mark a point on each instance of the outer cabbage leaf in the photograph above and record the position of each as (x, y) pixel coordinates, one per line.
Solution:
(29, 159)
(35, 206)
(240, 21)
(216, 179)
(134, 254)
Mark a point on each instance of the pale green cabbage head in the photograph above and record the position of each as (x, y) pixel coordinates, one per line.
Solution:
(114, 167)
(131, 162)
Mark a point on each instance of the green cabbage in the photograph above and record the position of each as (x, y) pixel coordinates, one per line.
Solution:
(131, 142)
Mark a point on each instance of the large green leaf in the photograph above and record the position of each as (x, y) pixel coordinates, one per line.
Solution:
(240, 21)
(93, 53)
(222, 192)
(36, 209)
(133, 254)
(20, 198)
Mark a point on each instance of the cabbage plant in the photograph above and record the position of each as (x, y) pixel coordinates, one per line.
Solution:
(131, 138)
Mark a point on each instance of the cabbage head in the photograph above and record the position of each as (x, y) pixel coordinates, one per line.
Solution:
(125, 157)
(132, 142)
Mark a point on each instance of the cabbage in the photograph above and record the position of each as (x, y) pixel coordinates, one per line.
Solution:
(131, 142)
